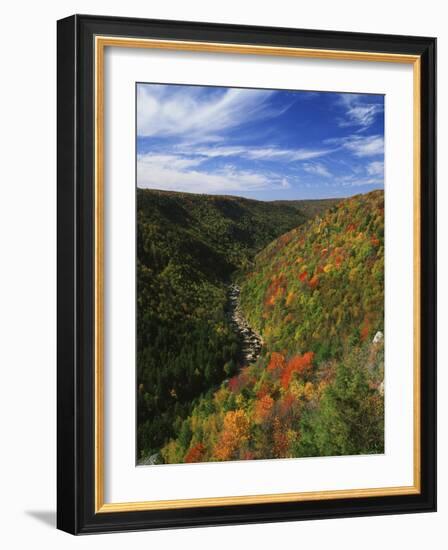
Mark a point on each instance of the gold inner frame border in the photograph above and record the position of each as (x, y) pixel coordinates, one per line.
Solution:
(100, 43)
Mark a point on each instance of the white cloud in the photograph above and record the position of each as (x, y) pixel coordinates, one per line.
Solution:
(192, 111)
(366, 146)
(317, 169)
(174, 161)
(375, 168)
(358, 111)
(360, 182)
(285, 154)
(254, 153)
(170, 172)
(360, 146)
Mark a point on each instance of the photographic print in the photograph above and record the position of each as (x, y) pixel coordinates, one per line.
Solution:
(234, 345)
(260, 274)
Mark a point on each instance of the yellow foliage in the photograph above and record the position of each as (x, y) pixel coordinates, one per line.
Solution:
(291, 436)
(308, 391)
(239, 400)
(296, 388)
(234, 435)
(171, 453)
(353, 274)
(290, 298)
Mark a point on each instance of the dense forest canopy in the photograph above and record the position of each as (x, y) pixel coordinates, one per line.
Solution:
(316, 296)
(189, 247)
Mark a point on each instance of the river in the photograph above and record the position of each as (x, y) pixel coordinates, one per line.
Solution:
(251, 341)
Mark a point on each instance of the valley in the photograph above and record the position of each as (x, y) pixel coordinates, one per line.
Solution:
(256, 323)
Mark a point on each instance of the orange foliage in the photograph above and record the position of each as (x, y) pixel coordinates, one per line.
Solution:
(277, 361)
(263, 391)
(195, 453)
(280, 439)
(263, 407)
(290, 298)
(275, 289)
(300, 363)
(314, 282)
(287, 403)
(234, 435)
(338, 261)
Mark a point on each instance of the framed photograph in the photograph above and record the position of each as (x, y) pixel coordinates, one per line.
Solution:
(246, 274)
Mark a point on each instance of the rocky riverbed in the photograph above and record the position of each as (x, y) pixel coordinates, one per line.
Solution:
(251, 341)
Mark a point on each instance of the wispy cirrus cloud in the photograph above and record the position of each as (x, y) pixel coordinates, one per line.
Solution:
(360, 110)
(376, 168)
(255, 153)
(174, 173)
(290, 155)
(317, 169)
(234, 141)
(197, 111)
(359, 181)
(365, 146)
(360, 146)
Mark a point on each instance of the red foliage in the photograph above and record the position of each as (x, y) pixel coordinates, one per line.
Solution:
(234, 384)
(263, 408)
(263, 391)
(365, 329)
(277, 361)
(303, 276)
(237, 382)
(314, 282)
(299, 363)
(195, 453)
(287, 403)
(275, 289)
(338, 261)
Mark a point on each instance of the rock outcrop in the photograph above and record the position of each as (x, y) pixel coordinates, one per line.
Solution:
(251, 342)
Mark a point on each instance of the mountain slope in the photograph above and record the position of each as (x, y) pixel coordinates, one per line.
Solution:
(315, 295)
(188, 248)
(320, 286)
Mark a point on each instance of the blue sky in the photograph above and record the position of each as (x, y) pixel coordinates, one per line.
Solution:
(262, 144)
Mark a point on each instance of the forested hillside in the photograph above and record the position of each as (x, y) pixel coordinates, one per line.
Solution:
(320, 286)
(315, 295)
(188, 249)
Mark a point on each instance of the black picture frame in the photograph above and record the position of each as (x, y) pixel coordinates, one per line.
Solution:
(76, 269)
